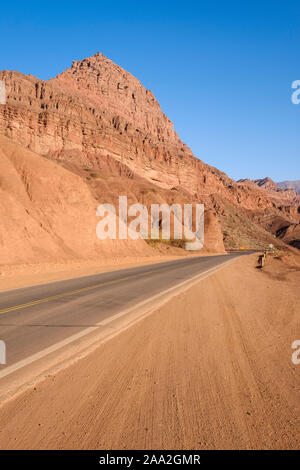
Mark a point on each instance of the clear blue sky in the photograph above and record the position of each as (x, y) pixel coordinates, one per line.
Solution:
(222, 71)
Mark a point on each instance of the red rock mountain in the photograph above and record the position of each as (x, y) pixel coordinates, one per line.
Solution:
(99, 122)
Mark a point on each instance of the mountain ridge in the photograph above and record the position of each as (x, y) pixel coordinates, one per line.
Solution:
(96, 117)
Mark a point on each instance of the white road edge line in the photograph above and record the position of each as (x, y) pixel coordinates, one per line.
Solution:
(34, 357)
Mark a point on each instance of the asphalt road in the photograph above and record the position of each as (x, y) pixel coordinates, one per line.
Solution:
(35, 318)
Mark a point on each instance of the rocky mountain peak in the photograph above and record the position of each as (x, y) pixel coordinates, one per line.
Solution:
(99, 80)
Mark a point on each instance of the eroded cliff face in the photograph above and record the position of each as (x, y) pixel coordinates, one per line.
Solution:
(97, 117)
(48, 214)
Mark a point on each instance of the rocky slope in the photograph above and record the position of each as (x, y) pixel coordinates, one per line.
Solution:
(99, 122)
(48, 213)
(287, 200)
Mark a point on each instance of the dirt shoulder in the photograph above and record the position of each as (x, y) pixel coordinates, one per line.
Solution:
(210, 369)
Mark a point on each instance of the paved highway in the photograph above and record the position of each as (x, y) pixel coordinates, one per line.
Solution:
(38, 317)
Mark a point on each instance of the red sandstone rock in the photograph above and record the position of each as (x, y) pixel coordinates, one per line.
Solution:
(98, 117)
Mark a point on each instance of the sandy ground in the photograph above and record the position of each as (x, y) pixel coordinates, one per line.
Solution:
(210, 369)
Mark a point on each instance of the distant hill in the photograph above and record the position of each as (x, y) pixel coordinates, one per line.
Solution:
(290, 185)
(279, 194)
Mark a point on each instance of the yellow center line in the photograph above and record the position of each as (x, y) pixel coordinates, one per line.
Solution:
(73, 292)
